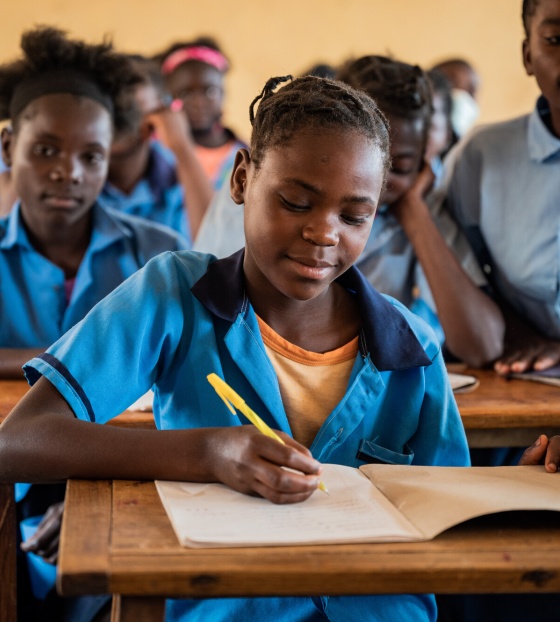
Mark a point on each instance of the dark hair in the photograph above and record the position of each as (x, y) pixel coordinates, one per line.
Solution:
(316, 103)
(321, 70)
(400, 90)
(202, 41)
(453, 62)
(527, 12)
(47, 49)
(148, 72)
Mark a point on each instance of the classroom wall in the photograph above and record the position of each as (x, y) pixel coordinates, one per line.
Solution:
(275, 37)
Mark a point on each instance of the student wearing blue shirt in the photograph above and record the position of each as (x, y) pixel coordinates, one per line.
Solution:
(503, 186)
(310, 185)
(154, 171)
(414, 252)
(61, 252)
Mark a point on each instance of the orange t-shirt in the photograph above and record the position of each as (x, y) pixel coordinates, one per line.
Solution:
(311, 384)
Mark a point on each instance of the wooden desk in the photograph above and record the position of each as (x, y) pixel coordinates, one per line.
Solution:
(116, 538)
(508, 413)
(497, 413)
(11, 391)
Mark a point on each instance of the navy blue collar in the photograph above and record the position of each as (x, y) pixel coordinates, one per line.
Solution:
(390, 341)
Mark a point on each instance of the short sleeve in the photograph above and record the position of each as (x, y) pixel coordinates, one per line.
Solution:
(126, 342)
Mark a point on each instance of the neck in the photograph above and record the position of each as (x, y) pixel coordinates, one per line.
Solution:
(64, 246)
(216, 136)
(318, 325)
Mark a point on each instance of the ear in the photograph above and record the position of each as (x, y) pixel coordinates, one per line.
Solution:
(7, 137)
(146, 130)
(239, 176)
(527, 60)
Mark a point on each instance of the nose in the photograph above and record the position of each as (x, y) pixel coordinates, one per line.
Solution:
(67, 169)
(321, 231)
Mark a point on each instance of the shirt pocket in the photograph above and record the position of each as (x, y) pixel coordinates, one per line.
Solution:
(370, 452)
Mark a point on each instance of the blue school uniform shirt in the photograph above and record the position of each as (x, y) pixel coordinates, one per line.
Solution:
(503, 186)
(33, 303)
(186, 315)
(158, 196)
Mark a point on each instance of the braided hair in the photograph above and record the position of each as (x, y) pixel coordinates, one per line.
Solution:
(47, 50)
(314, 103)
(527, 13)
(400, 90)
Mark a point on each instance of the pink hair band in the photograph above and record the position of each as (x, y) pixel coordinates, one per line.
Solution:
(201, 53)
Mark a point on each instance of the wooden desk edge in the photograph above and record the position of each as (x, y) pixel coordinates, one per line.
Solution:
(74, 548)
(359, 569)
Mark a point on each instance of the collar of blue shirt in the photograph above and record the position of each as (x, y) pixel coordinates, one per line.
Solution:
(108, 227)
(389, 338)
(542, 143)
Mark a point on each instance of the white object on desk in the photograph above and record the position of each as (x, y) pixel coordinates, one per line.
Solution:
(144, 403)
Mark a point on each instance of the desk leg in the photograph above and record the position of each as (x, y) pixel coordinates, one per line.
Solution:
(8, 597)
(137, 609)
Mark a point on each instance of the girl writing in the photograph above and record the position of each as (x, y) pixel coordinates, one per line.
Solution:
(344, 374)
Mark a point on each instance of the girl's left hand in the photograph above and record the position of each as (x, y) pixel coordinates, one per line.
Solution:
(543, 451)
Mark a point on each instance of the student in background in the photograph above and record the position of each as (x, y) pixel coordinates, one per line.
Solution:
(503, 187)
(194, 75)
(288, 321)
(408, 254)
(60, 251)
(159, 176)
(465, 83)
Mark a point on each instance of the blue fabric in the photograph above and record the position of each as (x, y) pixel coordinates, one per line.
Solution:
(186, 315)
(32, 300)
(158, 196)
(503, 184)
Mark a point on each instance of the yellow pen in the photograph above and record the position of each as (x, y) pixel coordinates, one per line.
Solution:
(229, 396)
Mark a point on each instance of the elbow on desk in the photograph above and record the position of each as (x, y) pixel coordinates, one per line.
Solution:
(480, 350)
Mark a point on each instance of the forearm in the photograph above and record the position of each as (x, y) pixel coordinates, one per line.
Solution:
(472, 322)
(13, 359)
(197, 188)
(41, 441)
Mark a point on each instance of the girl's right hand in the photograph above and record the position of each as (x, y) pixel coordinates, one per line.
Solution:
(250, 462)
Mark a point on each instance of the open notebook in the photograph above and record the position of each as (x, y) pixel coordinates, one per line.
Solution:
(377, 503)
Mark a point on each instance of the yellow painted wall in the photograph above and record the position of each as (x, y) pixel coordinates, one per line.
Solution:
(275, 37)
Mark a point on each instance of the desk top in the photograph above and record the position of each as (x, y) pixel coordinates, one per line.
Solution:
(497, 403)
(11, 391)
(116, 538)
(500, 403)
